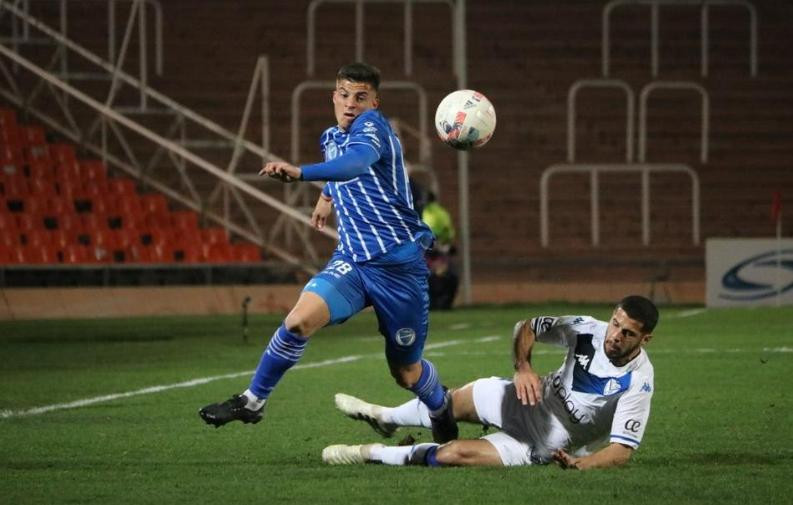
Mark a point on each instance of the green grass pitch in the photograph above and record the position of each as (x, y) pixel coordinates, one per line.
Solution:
(721, 428)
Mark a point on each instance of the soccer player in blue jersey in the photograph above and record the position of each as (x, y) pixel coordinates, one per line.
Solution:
(379, 260)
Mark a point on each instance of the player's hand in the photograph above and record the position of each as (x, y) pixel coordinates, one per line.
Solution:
(321, 212)
(281, 170)
(565, 461)
(528, 385)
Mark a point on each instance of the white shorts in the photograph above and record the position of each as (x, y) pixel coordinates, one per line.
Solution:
(528, 434)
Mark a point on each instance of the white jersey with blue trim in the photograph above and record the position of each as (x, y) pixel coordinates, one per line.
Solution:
(374, 210)
(596, 401)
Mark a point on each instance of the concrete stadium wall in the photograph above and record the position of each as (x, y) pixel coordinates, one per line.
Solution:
(76, 303)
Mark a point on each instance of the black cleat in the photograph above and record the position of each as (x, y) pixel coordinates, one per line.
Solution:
(233, 409)
(444, 426)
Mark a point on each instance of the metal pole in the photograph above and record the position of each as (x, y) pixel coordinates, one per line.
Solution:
(462, 156)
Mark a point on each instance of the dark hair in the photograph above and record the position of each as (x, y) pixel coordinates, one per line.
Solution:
(360, 72)
(640, 309)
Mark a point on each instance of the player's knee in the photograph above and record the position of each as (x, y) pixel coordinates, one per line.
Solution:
(299, 325)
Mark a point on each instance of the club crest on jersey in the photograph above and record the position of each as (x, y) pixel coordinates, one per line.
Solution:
(405, 336)
(331, 152)
(611, 387)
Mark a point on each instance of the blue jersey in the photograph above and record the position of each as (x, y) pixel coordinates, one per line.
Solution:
(375, 209)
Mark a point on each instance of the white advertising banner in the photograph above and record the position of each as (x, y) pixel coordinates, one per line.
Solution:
(752, 271)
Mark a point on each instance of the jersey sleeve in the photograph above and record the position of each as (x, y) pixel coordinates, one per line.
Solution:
(632, 414)
(561, 331)
(369, 129)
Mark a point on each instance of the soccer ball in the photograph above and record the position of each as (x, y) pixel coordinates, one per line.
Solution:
(464, 119)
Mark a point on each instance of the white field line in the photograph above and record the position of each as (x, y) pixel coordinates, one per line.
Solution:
(685, 313)
(6, 414)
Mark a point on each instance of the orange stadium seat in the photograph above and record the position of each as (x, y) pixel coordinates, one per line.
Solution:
(37, 238)
(63, 154)
(8, 117)
(121, 186)
(245, 252)
(93, 171)
(61, 238)
(184, 219)
(5, 255)
(214, 235)
(9, 238)
(32, 135)
(9, 135)
(42, 188)
(219, 252)
(40, 169)
(76, 254)
(7, 221)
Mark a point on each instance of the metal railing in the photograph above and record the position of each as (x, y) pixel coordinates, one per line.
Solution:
(137, 14)
(654, 29)
(594, 169)
(677, 85)
(112, 124)
(571, 112)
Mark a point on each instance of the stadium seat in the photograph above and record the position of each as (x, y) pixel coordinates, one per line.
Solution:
(14, 186)
(214, 235)
(63, 154)
(8, 117)
(9, 238)
(93, 222)
(219, 252)
(121, 186)
(76, 254)
(154, 203)
(184, 219)
(11, 158)
(36, 238)
(27, 222)
(103, 245)
(34, 205)
(155, 236)
(138, 253)
(43, 188)
(40, 169)
(245, 252)
(7, 221)
(5, 255)
(32, 135)
(187, 250)
(61, 238)
(93, 171)
(58, 206)
(9, 135)
(103, 206)
(70, 223)
(68, 173)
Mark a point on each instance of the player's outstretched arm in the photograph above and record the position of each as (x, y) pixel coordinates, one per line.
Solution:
(612, 455)
(528, 384)
(321, 211)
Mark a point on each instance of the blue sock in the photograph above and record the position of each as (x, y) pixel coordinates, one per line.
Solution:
(428, 388)
(283, 351)
(430, 459)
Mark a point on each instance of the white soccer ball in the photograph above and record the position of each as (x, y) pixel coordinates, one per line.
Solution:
(464, 119)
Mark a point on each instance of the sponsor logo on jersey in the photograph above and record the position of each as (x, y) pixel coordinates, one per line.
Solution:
(561, 392)
(543, 324)
(633, 425)
(646, 388)
(405, 336)
(583, 360)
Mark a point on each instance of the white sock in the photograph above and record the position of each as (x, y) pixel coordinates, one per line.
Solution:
(412, 413)
(254, 402)
(391, 455)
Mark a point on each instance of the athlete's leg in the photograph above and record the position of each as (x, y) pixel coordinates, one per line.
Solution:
(455, 453)
(325, 299)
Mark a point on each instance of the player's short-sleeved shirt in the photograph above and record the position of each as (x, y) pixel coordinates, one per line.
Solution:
(593, 399)
(374, 210)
